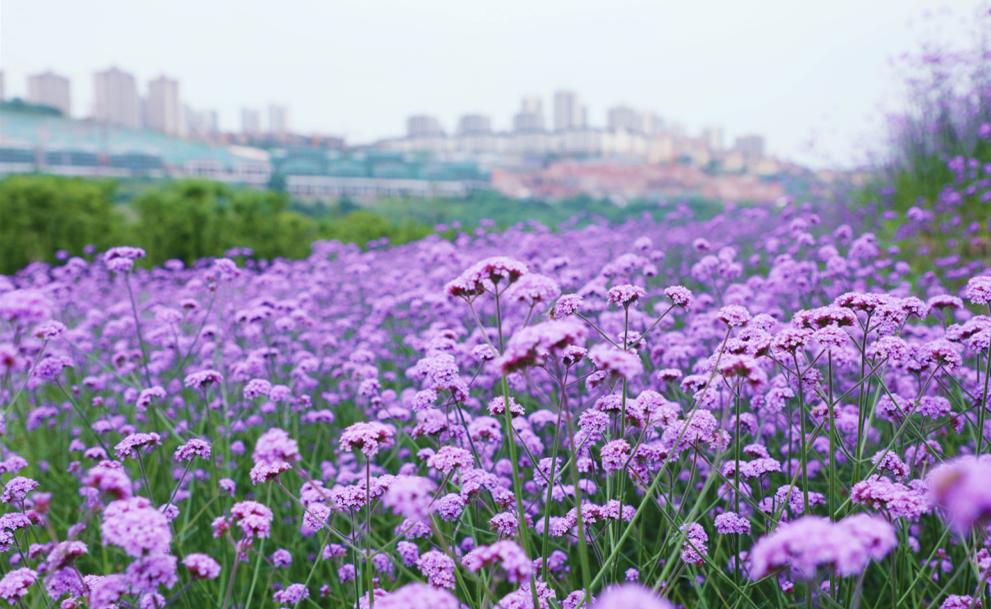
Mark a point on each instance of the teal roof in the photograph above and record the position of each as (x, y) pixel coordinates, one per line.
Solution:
(33, 130)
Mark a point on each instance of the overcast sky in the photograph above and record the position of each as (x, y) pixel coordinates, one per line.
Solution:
(811, 76)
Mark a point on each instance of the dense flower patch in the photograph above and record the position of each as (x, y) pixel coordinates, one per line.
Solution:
(762, 409)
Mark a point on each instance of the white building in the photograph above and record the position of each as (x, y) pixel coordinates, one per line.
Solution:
(251, 122)
(423, 125)
(569, 113)
(50, 89)
(516, 147)
(115, 98)
(163, 110)
(751, 146)
(530, 118)
(713, 137)
(278, 120)
(474, 124)
(201, 122)
(625, 118)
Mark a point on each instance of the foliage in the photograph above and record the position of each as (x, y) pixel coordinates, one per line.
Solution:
(41, 216)
(931, 193)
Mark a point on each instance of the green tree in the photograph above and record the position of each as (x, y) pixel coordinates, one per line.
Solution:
(40, 215)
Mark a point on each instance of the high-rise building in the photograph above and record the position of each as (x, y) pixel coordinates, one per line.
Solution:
(652, 123)
(625, 118)
(115, 98)
(474, 124)
(750, 146)
(423, 125)
(163, 111)
(201, 122)
(713, 137)
(251, 121)
(530, 117)
(50, 89)
(569, 113)
(278, 120)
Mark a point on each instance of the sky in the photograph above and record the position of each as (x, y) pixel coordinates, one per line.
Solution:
(812, 77)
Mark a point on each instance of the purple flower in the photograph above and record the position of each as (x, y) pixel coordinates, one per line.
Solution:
(803, 545)
(49, 330)
(731, 523)
(368, 437)
(534, 288)
(410, 496)
(191, 449)
(281, 558)
(274, 453)
(627, 596)
(734, 316)
(254, 519)
(438, 568)
(122, 258)
(203, 378)
(132, 444)
(507, 554)
(614, 455)
(201, 566)
(694, 549)
(449, 459)
(612, 360)
(959, 601)
(416, 596)
(978, 290)
(291, 595)
(17, 489)
(679, 295)
(486, 276)
(137, 527)
(106, 590)
(48, 370)
(625, 295)
(566, 306)
(15, 584)
(534, 345)
(961, 488)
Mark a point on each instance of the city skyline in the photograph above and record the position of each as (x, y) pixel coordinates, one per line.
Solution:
(118, 100)
(348, 70)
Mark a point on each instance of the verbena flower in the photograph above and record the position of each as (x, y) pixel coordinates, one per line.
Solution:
(962, 490)
(624, 596)
(804, 545)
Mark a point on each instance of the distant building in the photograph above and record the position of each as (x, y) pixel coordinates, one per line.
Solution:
(40, 142)
(530, 118)
(652, 123)
(163, 110)
(569, 113)
(50, 89)
(201, 122)
(3, 91)
(474, 124)
(115, 98)
(713, 137)
(750, 146)
(625, 118)
(278, 120)
(251, 122)
(423, 125)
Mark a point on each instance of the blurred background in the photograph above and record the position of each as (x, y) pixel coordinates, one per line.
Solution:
(191, 128)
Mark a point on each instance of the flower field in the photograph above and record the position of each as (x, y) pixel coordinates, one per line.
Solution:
(769, 408)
